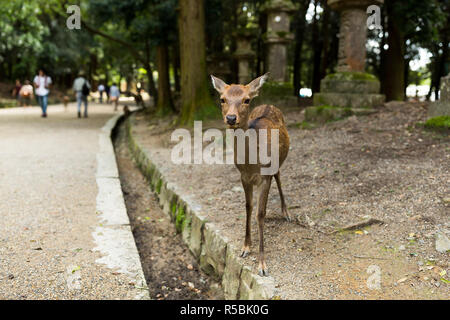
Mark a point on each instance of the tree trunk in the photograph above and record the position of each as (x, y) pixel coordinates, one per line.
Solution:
(382, 70)
(165, 102)
(300, 22)
(406, 76)
(394, 73)
(196, 102)
(176, 67)
(326, 40)
(317, 49)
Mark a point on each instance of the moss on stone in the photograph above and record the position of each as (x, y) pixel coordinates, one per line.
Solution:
(349, 76)
(180, 218)
(174, 209)
(272, 88)
(326, 113)
(158, 186)
(441, 123)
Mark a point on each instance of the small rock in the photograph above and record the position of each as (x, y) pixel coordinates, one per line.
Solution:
(442, 242)
(11, 276)
(401, 248)
(237, 189)
(402, 280)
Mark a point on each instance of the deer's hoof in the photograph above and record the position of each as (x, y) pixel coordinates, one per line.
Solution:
(244, 253)
(263, 272)
(287, 216)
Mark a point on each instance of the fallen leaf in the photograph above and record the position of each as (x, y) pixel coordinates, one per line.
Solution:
(76, 269)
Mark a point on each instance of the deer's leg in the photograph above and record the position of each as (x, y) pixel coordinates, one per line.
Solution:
(248, 189)
(283, 203)
(262, 203)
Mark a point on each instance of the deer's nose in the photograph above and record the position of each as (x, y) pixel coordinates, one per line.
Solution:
(231, 119)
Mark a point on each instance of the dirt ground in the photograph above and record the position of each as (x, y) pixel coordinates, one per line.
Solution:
(170, 270)
(380, 166)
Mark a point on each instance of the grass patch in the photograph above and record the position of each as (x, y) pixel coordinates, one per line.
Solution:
(7, 103)
(441, 123)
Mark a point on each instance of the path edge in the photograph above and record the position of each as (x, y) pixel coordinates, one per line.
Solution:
(215, 254)
(114, 238)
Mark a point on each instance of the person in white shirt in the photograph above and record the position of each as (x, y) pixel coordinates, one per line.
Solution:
(42, 84)
(81, 93)
(101, 89)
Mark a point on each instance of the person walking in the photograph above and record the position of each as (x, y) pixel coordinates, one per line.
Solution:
(81, 88)
(26, 93)
(101, 89)
(42, 83)
(16, 90)
(107, 92)
(114, 95)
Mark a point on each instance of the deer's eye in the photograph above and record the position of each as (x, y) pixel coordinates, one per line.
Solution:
(247, 101)
(222, 100)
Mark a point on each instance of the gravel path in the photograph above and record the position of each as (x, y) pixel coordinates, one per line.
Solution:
(48, 207)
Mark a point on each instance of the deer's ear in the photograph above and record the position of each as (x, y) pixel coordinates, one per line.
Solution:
(218, 84)
(256, 84)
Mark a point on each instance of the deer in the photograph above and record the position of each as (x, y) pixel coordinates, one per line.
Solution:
(235, 104)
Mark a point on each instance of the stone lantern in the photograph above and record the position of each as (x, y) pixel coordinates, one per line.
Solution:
(244, 54)
(277, 37)
(350, 86)
(219, 65)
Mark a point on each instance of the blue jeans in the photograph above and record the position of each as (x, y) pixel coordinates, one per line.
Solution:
(82, 98)
(43, 101)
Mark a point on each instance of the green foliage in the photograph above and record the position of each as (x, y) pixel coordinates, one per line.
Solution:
(21, 34)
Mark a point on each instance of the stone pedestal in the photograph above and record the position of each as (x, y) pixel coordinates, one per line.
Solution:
(219, 65)
(277, 37)
(350, 87)
(244, 55)
(441, 107)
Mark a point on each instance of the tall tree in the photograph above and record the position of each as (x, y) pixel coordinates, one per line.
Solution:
(417, 21)
(196, 102)
(299, 27)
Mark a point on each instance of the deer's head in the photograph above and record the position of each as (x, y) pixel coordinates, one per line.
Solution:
(235, 100)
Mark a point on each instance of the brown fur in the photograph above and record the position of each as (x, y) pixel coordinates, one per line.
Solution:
(235, 102)
(126, 111)
(66, 101)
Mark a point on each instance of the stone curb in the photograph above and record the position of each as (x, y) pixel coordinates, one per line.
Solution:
(113, 237)
(214, 253)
